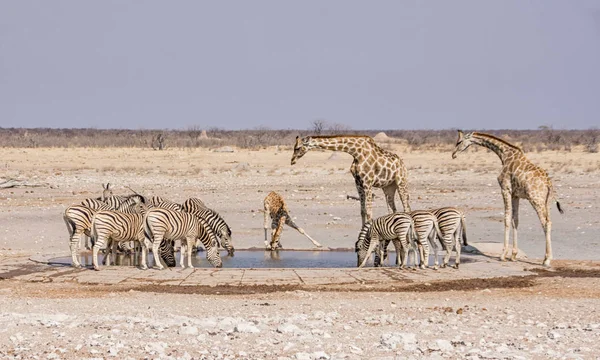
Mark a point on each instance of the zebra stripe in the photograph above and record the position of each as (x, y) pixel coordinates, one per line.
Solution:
(452, 225)
(172, 225)
(397, 227)
(78, 219)
(193, 204)
(427, 228)
(117, 227)
(159, 202)
(218, 225)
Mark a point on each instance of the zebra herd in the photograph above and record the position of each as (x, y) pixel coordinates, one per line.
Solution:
(416, 229)
(122, 223)
(132, 222)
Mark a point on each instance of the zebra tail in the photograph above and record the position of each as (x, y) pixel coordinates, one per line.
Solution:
(93, 231)
(463, 229)
(438, 231)
(70, 224)
(372, 246)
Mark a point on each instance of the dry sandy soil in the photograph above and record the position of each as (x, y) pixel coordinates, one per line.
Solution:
(554, 315)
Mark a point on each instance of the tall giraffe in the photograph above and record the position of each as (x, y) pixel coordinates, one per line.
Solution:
(518, 179)
(372, 167)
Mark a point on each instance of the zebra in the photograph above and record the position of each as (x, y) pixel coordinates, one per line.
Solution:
(214, 220)
(78, 219)
(452, 225)
(398, 227)
(114, 201)
(106, 191)
(160, 224)
(159, 202)
(193, 204)
(110, 226)
(427, 228)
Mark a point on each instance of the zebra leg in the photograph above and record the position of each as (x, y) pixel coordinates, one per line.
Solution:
(111, 247)
(458, 247)
(144, 251)
(98, 243)
(158, 238)
(74, 246)
(434, 244)
(189, 241)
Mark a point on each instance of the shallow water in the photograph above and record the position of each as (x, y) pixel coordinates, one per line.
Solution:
(251, 259)
(241, 259)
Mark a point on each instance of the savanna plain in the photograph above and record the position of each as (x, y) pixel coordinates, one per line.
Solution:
(553, 314)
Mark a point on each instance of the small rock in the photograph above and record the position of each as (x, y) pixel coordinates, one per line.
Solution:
(320, 355)
(302, 356)
(246, 328)
(288, 328)
(553, 335)
(188, 330)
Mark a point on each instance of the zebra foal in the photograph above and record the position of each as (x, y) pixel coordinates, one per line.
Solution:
(398, 227)
(164, 224)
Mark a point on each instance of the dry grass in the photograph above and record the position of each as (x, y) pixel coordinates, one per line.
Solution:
(545, 139)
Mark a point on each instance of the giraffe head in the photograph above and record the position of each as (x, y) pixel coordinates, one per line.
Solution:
(300, 148)
(463, 142)
(106, 191)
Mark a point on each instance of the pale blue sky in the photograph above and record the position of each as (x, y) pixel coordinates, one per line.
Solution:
(242, 64)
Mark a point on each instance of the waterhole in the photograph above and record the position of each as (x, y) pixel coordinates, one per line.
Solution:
(250, 259)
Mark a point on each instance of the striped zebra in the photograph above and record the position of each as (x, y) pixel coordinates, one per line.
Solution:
(398, 227)
(427, 228)
(193, 204)
(106, 191)
(78, 219)
(215, 221)
(115, 201)
(452, 225)
(111, 227)
(164, 224)
(159, 202)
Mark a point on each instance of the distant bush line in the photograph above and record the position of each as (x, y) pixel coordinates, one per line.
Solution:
(530, 140)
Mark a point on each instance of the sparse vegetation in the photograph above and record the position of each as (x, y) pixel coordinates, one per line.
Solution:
(542, 139)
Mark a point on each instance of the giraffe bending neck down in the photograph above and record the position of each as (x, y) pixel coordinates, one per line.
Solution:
(518, 179)
(373, 167)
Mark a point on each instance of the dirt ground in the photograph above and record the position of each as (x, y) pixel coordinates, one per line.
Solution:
(551, 315)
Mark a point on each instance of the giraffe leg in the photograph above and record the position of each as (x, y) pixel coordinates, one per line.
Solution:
(403, 192)
(277, 232)
(293, 225)
(515, 225)
(507, 221)
(361, 195)
(266, 222)
(544, 214)
(389, 192)
(369, 203)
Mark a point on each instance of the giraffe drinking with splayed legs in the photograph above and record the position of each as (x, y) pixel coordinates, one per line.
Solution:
(519, 179)
(373, 167)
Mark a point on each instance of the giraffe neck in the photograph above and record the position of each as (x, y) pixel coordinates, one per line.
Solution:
(355, 146)
(504, 150)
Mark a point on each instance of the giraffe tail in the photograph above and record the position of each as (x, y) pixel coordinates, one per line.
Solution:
(552, 193)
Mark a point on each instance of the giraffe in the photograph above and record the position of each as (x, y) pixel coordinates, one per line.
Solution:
(372, 167)
(276, 208)
(518, 179)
